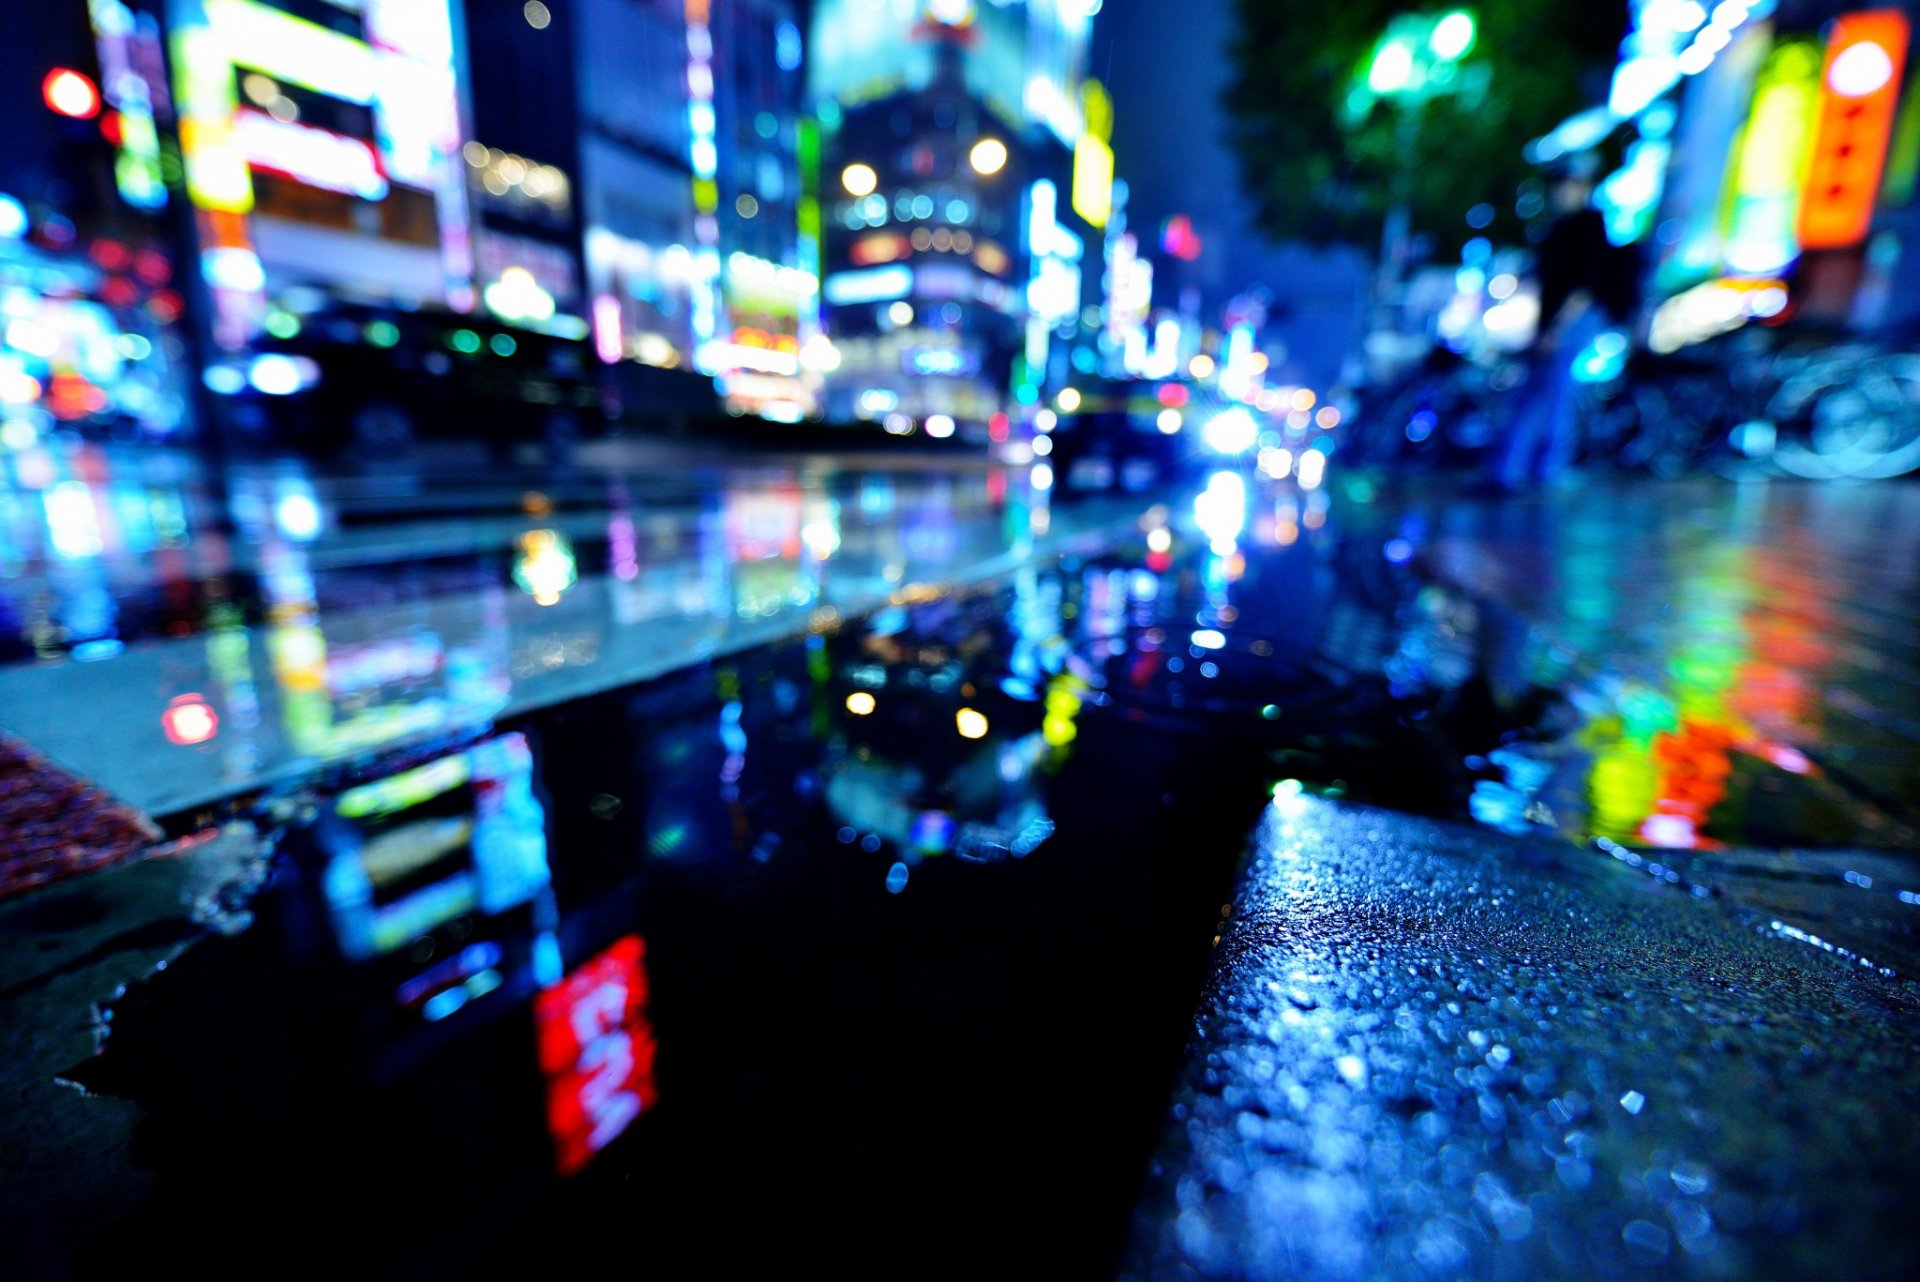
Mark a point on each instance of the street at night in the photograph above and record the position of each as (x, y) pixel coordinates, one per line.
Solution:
(920, 638)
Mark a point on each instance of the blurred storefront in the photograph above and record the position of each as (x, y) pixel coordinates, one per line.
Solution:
(1763, 153)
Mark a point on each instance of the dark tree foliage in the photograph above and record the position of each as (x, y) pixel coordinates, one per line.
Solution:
(1313, 173)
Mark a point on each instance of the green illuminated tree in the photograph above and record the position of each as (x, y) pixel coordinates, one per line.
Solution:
(1322, 164)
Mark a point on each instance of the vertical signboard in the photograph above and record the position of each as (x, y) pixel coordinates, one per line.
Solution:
(1771, 162)
(1859, 93)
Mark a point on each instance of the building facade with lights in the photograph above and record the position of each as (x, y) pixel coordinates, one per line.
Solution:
(91, 298)
(954, 241)
(695, 201)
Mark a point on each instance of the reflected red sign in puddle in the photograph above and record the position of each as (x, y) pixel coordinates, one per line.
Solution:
(596, 1050)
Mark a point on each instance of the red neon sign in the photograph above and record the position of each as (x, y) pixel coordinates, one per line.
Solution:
(596, 1050)
(1859, 93)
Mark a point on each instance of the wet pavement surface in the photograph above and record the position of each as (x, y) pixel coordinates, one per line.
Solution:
(1428, 1052)
(743, 862)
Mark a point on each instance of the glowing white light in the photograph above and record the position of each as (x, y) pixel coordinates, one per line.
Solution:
(1221, 510)
(1170, 421)
(1859, 70)
(901, 313)
(1769, 300)
(237, 269)
(1729, 14)
(517, 295)
(1042, 445)
(1312, 469)
(72, 519)
(297, 515)
(1231, 431)
(32, 338)
(1209, 639)
(1503, 285)
(970, 723)
(989, 156)
(951, 13)
(1276, 462)
(1452, 36)
(1392, 68)
(316, 157)
(859, 180)
(1041, 476)
(1159, 539)
(860, 703)
(939, 426)
(276, 375)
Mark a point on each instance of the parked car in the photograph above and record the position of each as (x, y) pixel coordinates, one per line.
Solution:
(374, 380)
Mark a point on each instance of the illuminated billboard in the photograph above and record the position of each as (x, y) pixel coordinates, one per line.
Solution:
(1770, 163)
(290, 130)
(1859, 93)
(1093, 157)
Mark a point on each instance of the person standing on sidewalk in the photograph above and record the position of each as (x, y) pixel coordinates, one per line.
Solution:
(1587, 285)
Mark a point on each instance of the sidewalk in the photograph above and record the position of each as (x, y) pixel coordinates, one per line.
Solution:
(1429, 1050)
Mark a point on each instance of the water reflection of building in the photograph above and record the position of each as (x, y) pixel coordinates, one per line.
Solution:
(933, 753)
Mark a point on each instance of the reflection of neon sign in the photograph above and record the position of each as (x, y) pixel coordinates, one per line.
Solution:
(596, 1050)
(470, 822)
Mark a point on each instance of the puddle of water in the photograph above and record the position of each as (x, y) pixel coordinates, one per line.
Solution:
(884, 933)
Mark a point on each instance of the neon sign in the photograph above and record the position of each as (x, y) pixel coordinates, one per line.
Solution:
(1859, 93)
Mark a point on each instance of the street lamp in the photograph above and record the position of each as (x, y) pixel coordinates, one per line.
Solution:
(1453, 36)
(1415, 60)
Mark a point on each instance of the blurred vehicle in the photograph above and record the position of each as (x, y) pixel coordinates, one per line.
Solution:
(373, 380)
(1117, 437)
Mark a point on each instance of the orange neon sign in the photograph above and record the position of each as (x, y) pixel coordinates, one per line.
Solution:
(1859, 94)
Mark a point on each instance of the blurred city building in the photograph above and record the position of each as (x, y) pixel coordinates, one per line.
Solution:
(895, 210)
(89, 288)
(964, 192)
